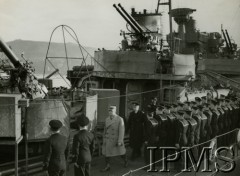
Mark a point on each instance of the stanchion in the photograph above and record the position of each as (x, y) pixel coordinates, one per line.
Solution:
(26, 143)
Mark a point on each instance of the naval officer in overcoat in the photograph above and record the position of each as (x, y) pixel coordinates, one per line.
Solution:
(136, 130)
(113, 138)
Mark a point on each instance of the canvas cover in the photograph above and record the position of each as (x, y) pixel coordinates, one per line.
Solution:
(183, 64)
(91, 110)
(40, 112)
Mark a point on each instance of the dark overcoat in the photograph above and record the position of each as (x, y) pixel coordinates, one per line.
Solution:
(136, 129)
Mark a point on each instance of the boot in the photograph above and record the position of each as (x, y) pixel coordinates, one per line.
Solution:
(107, 168)
(125, 159)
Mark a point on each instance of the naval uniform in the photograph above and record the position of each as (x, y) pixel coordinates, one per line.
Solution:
(214, 122)
(150, 133)
(56, 151)
(181, 139)
(136, 128)
(82, 150)
(208, 114)
(197, 117)
(221, 126)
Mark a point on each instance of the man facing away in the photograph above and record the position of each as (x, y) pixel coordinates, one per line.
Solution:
(56, 150)
(82, 149)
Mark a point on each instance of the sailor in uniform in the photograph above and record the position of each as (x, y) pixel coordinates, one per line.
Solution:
(204, 99)
(56, 150)
(150, 134)
(82, 149)
(181, 137)
(180, 106)
(153, 104)
(234, 113)
(171, 117)
(162, 126)
(208, 113)
(198, 101)
(197, 117)
(230, 118)
(215, 117)
(191, 132)
(221, 124)
(192, 127)
(226, 119)
(236, 103)
(203, 128)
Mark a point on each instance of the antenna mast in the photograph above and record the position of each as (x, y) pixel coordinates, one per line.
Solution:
(169, 3)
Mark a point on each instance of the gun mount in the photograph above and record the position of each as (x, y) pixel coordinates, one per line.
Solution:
(144, 33)
(22, 76)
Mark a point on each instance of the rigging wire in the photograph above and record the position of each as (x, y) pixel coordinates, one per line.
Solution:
(103, 98)
(84, 62)
(93, 57)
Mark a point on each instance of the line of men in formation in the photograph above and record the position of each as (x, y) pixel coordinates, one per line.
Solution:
(183, 124)
(180, 125)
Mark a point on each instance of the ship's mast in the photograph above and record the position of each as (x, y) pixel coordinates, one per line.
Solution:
(169, 3)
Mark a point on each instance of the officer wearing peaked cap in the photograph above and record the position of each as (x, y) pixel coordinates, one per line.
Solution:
(82, 149)
(113, 138)
(56, 150)
(136, 128)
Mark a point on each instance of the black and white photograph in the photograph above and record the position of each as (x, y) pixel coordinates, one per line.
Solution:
(119, 87)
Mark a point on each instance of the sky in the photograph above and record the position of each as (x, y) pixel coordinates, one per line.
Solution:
(97, 23)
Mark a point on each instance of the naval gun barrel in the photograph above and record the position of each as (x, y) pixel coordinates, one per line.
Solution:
(131, 18)
(230, 43)
(225, 39)
(12, 57)
(127, 20)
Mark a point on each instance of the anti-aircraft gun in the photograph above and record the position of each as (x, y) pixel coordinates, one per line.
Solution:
(144, 29)
(19, 75)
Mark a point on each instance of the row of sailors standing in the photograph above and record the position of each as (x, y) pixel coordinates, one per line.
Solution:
(184, 124)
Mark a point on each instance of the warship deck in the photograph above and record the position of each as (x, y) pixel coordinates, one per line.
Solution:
(117, 169)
